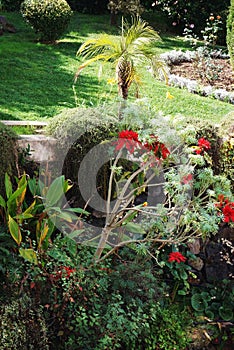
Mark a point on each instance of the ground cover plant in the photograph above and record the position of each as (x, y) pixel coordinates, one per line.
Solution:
(126, 240)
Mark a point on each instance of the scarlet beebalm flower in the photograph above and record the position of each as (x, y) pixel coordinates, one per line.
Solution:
(177, 257)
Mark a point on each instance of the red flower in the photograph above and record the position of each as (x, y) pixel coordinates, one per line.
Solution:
(128, 139)
(228, 212)
(203, 143)
(226, 207)
(159, 149)
(177, 257)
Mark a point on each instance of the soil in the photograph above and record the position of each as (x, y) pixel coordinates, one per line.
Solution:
(218, 73)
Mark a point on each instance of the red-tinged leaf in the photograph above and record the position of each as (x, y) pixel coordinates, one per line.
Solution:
(32, 285)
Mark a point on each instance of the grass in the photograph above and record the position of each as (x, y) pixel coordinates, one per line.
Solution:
(37, 79)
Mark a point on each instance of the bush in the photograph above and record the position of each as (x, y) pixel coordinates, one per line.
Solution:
(88, 127)
(9, 5)
(230, 33)
(181, 13)
(49, 19)
(9, 156)
(22, 326)
(89, 6)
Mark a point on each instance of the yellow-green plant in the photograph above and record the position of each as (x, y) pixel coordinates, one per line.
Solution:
(128, 52)
(230, 33)
(39, 217)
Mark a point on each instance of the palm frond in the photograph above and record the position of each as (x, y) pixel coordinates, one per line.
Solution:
(104, 44)
(140, 33)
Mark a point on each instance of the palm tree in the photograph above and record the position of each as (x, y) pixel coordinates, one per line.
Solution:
(131, 50)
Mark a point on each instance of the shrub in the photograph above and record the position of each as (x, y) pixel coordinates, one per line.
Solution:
(9, 5)
(230, 33)
(9, 156)
(49, 19)
(89, 6)
(181, 13)
(22, 326)
(87, 127)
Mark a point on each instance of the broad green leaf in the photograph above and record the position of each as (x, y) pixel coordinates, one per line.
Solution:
(16, 194)
(8, 186)
(75, 233)
(14, 230)
(2, 202)
(29, 255)
(134, 228)
(226, 313)
(55, 191)
(23, 216)
(78, 210)
(66, 216)
(182, 292)
(30, 208)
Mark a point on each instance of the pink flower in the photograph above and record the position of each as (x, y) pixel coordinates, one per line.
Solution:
(177, 257)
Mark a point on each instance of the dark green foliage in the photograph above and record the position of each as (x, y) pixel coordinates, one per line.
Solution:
(181, 12)
(89, 6)
(8, 159)
(22, 326)
(230, 33)
(49, 19)
(10, 5)
(116, 304)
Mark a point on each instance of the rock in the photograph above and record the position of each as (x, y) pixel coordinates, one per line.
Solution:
(196, 263)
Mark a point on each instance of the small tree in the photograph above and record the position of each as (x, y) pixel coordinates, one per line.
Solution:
(230, 33)
(132, 7)
(133, 48)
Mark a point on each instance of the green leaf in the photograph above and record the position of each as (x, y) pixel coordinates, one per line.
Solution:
(55, 191)
(134, 228)
(8, 186)
(14, 230)
(16, 194)
(29, 255)
(198, 302)
(23, 216)
(75, 233)
(2, 202)
(182, 292)
(78, 210)
(226, 314)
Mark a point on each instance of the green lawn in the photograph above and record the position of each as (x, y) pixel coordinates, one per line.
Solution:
(37, 79)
